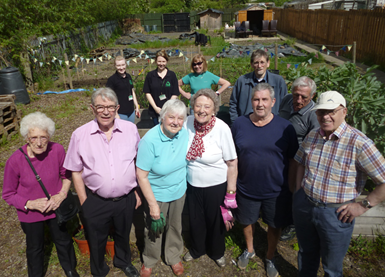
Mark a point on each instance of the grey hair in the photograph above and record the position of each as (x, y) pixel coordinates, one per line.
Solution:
(104, 93)
(261, 87)
(36, 120)
(173, 106)
(304, 81)
(259, 53)
(209, 93)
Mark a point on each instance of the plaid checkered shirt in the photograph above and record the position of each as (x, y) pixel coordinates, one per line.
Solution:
(336, 169)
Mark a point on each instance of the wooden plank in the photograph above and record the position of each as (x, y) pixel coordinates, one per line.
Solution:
(371, 221)
(6, 107)
(8, 98)
(367, 230)
(242, 16)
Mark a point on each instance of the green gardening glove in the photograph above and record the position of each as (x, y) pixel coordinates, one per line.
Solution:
(157, 226)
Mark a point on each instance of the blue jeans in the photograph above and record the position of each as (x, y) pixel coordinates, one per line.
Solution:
(320, 235)
(130, 118)
(155, 120)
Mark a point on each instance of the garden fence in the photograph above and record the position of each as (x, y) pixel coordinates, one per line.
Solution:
(338, 28)
(72, 43)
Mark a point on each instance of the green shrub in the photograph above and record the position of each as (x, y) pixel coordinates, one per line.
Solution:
(367, 249)
(365, 97)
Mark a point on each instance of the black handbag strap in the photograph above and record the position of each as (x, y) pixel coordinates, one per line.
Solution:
(36, 175)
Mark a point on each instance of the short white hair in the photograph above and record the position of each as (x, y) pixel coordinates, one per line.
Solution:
(104, 93)
(36, 120)
(304, 81)
(173, 106)
(262, 87)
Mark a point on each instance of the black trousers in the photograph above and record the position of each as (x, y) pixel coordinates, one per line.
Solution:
(207, 229)
(98, 215)
(35, 246)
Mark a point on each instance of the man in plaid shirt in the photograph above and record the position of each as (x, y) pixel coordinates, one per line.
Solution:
(334, 162)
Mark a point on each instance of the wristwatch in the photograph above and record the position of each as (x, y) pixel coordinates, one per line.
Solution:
(25, 207)
(366, 203)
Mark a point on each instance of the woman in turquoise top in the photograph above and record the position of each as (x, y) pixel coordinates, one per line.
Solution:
(200, 78)
(161, 174)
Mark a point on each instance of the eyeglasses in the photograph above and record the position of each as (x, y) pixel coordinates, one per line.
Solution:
(101, 108)
(327, 112)
(43, 139)
(197, 64)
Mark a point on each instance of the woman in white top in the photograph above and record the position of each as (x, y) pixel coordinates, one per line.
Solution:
(212, 173)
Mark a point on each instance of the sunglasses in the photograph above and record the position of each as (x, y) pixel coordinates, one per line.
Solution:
(197, 64)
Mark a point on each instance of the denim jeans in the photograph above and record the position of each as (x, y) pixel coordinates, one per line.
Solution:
(155, 120)
(320, 235)
(130, 118)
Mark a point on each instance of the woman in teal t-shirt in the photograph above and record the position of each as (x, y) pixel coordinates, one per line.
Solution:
(161, 174)
(200, 78)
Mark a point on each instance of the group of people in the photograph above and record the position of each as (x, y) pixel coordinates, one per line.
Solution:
(291, 161)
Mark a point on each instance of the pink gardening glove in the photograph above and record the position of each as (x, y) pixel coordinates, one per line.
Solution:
(230, 201)
(227, 217)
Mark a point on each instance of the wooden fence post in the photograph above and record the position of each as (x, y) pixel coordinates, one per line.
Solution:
(68, 71)
(64, 79)
(354, 54)
(183, 61)
(221, 67)
(276, 56)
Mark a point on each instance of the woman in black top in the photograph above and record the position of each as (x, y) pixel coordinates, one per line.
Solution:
(122, 84)
(160, 85)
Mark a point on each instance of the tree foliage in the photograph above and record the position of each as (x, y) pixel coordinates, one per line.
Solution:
(21, 20)
(175, 6)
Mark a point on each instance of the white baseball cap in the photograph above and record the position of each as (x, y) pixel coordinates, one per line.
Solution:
(330, 100)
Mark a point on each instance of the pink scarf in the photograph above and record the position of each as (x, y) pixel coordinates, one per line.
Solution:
(197, 148)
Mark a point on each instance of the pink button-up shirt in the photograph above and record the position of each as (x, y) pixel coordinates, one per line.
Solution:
(108, 166)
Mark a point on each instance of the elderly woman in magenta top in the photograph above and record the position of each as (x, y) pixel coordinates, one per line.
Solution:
(22, 190)
(161, 174)
(160, 85)
(211, 174)
(200, 78)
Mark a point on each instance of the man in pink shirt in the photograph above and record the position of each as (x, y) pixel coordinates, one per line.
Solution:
(101, 157)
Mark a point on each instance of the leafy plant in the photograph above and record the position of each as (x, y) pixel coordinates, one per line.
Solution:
(367, 249)
(295, 246)
(364, 94)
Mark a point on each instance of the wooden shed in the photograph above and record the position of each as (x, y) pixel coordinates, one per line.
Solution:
(211, 19)
(252, 11)
(255, 14)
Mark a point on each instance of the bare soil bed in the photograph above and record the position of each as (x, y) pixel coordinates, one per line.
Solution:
(12, 239)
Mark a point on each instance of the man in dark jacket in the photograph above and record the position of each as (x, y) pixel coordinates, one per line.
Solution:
(240, 101)
(296, 108)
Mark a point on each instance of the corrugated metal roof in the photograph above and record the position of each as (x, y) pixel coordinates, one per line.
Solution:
(212, 10)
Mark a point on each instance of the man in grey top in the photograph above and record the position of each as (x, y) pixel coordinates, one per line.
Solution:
(296, 108)
(240, 100)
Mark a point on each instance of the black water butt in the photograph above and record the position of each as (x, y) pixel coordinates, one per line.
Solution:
(11, 82)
